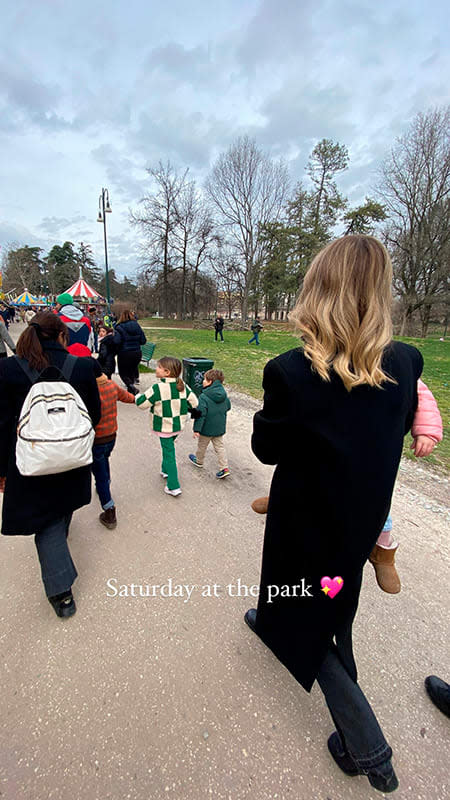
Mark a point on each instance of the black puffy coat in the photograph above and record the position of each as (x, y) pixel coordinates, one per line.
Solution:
(107, 350)
(128, 337)
(337, 455)
(31, 503)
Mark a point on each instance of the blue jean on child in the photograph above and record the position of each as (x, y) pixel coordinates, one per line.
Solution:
(388, 524)
(101, 472)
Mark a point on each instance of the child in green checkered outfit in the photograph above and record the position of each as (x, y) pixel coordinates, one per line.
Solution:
(169, 401)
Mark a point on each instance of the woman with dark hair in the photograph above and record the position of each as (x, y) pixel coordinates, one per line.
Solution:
(43, 505)
(335, 413)
(128, 338)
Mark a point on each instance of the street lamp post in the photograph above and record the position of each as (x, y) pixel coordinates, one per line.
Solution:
(104, 209)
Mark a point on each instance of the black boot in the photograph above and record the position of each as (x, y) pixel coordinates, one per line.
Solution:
(439, 692)
(64, 604)
(108, 518)
(381, 777)
(250, 618)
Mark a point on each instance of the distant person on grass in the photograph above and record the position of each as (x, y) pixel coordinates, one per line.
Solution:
(218, 327)
(347, 398)
(169, 401)
(213, 405)
(256, 329)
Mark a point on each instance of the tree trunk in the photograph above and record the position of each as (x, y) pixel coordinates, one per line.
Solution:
(403, 322)
(165, 303)
(425, 318)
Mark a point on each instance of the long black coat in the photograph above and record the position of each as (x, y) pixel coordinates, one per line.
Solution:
(107, 354)
(337, 455)
(31, 503)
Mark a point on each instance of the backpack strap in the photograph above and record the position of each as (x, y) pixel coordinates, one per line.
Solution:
(32, 374)
(68, 365)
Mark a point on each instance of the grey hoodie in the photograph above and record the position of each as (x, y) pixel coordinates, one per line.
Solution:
(5, 337)
(79, 325)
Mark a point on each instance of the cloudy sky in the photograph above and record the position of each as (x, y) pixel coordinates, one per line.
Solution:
(93, 93)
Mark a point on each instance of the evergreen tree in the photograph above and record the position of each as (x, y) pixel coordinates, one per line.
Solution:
(62, 268)
(85, 259)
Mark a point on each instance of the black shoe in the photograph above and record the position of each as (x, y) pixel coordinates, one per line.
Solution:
(108, 518)
(64, 604)
(439, 692)
(382, 777)
(250, 618)
(342, 758)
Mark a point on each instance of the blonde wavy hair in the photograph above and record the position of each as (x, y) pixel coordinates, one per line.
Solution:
(344, 310)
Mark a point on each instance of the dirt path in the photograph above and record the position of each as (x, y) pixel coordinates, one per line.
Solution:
(170, 695)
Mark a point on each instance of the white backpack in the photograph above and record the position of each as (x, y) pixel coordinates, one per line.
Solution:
(54, 432)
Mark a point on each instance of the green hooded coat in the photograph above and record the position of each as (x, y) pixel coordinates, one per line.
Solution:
(213, 404)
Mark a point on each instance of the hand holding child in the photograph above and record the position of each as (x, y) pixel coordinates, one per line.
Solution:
(195, 435)
(422, 446)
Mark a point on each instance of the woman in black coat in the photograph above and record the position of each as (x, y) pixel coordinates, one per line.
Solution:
(43, 505)
(128, 338)
(334, 418)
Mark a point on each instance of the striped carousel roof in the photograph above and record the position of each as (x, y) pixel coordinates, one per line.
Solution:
(26, 299)
(82, 289)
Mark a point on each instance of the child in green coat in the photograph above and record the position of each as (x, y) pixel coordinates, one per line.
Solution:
(213, 404)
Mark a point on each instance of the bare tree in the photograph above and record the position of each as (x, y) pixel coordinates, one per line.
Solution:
(414, 187)
(248, 190)
(227, 276)
(157, 218)
(194, 235)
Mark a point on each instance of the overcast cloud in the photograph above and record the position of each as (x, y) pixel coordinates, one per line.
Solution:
(93, 94)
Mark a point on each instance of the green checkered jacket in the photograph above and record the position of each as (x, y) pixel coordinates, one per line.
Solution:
(168, 406)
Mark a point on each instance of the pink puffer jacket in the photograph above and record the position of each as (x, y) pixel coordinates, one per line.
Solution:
(427, 419)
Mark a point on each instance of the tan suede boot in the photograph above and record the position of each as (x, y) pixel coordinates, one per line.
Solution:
(386, 574)
(260, 505)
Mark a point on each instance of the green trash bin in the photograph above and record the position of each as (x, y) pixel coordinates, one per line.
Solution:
(194, 370)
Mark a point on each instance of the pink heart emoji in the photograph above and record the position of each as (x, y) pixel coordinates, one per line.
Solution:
(331, 587)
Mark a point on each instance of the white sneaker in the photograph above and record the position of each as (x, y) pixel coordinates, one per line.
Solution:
(173, 492)
(163, 474)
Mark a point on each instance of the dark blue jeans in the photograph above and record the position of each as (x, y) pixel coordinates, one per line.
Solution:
(57, 567)
(101, 472)
(219, 333)
(255, 338)
(352, 715)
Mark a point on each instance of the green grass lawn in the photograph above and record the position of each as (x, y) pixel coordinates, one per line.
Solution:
(243, 364)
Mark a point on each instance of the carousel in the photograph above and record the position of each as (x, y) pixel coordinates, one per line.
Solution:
(28, 299)
(83, 294)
